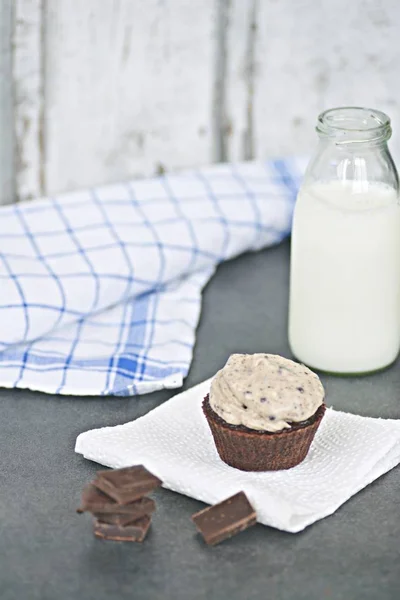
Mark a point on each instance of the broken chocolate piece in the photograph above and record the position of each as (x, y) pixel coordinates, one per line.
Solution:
(225, 519)
(111, 519)
(128, 484)
(95, 501)
(140, 508)
(135, 532)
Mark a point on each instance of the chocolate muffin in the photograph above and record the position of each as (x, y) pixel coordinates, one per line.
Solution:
(263, 411)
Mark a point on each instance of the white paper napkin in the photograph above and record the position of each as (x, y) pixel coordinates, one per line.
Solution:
(175, 443)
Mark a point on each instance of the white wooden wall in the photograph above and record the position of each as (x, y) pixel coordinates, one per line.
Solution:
(93, 91)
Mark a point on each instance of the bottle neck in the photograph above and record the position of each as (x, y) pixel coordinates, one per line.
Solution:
(354, 127)
(353, 149)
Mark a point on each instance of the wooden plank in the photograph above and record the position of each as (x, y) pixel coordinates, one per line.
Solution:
(219, 116)
(129, 88)
(6, 104)
(240, 73)
(314, 55)
(28, 78)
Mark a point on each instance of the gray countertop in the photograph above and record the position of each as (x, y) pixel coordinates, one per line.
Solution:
(48, 552)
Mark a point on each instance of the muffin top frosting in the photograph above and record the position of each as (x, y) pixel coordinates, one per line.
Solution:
(265, 392)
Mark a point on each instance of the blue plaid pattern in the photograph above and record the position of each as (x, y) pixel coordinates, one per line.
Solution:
(101, 289)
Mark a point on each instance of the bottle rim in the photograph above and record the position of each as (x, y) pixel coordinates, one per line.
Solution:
(354, 124)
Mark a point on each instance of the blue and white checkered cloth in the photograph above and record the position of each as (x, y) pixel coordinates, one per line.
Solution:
(101, 289)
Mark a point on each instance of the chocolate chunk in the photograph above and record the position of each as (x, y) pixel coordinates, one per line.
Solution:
(140, 508)
(120, 520)
(128, 484)
(94, 501)
(135, 532)
(221, 521)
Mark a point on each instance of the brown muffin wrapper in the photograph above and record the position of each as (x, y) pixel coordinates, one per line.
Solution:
(250, 450)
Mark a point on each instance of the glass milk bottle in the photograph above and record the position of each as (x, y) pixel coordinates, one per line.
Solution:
(344, 309)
